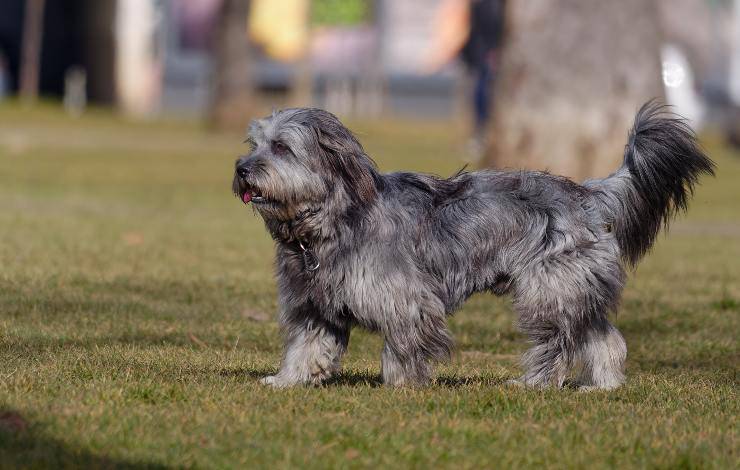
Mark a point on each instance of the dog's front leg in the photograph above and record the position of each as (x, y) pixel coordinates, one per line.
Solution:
(313, 350)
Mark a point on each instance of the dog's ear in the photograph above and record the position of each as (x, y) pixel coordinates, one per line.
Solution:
(347, 160)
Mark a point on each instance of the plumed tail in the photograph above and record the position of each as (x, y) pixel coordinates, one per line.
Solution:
(662, 164)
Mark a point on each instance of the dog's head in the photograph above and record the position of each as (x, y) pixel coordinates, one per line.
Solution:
(299, 159)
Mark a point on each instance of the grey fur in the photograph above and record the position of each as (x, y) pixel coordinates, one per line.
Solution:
(400, 252)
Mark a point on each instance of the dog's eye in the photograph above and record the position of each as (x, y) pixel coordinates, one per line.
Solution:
(279, 148)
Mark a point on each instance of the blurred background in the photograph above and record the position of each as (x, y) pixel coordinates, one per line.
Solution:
(549, 83)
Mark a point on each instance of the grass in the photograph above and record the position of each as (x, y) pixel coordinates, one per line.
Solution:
(137, 313)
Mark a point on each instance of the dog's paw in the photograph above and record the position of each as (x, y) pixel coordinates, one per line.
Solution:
(515, 383)
(596, 388)
(276, 381)
(269, 380)
(273, 381)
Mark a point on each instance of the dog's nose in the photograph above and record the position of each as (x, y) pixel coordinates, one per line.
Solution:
(242, 172)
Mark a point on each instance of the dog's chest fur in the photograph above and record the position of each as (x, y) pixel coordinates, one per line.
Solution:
(349, 285)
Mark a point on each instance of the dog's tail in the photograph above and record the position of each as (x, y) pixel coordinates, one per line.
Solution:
(662, 163)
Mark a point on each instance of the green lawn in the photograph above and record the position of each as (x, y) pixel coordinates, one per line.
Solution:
(137, 313)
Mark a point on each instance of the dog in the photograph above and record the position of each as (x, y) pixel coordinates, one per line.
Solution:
(397, 253)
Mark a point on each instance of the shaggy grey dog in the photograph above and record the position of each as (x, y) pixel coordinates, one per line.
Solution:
(397, 253)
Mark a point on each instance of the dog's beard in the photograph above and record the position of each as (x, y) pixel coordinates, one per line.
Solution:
(250, 192)
(260, 200)
(273, 207)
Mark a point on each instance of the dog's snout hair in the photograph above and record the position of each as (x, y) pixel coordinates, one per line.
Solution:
(397, 253)
(249, 164)
(241, 162)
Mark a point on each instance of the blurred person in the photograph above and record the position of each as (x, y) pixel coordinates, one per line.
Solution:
(480, 54)
(473, 31)
(4, 77)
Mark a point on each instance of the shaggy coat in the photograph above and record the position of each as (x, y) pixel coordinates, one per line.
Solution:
(397, 253)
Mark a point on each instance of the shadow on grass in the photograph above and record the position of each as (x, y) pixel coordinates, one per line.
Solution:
(370, 379)
(456, 381)
(348, 378)
(373, 380)
(23, 445)
(344, 378)
(250, 373)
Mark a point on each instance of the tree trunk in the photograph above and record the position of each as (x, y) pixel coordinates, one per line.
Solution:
(33, 30)
(571, 77)
(232, 103)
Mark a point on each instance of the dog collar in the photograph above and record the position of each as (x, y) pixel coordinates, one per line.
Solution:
(310, 262)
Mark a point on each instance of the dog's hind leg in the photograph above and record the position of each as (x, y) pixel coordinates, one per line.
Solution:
(548, 315)
(563, 303)
(602, 356)
(549, 360)
(313, 350)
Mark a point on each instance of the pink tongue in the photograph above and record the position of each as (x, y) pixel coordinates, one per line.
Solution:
(247, 197)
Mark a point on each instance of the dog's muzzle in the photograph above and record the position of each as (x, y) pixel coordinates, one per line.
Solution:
(248, 192)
